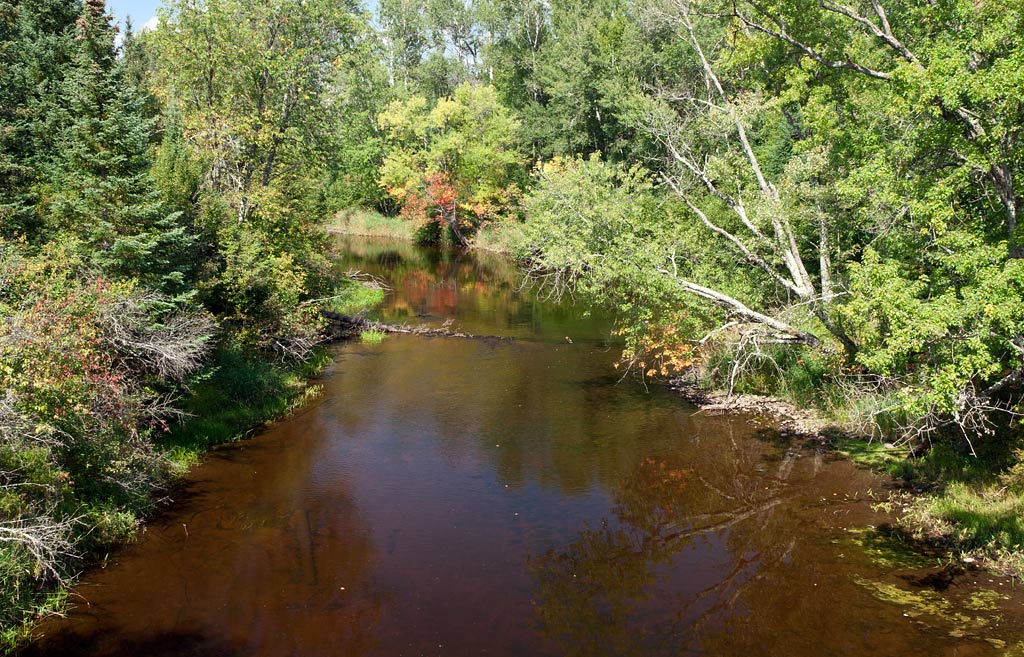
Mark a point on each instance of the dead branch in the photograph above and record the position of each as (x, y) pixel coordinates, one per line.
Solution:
(172, 348)
(348, 325)
(47, 540)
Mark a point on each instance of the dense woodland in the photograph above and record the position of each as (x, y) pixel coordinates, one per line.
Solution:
(808, 198)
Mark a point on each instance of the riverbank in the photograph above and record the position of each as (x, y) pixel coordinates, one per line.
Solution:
(963, 498)
(495, 238)
(237, 395)
(490, 511)
(967, 506)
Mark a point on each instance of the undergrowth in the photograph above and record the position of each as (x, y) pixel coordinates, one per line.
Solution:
(237, 392)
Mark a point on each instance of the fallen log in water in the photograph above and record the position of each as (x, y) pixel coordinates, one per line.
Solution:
(346, 325)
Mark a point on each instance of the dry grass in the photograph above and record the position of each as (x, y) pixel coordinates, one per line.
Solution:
(358, 221)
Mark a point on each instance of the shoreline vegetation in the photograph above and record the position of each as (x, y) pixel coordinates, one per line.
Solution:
(362, 222)
(818, 202)
(236, 395)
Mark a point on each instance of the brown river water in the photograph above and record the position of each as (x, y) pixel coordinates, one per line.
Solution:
(448, 496)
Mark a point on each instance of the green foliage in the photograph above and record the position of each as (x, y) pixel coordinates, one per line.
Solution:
(235, 395)
(263, 117)
(372, 337)
(87, 366)
(942, 332)
(37, 46)
(454, 160)
(360, 93)
(602, 231)
(260, 294)
(245, 153)
(352, 298)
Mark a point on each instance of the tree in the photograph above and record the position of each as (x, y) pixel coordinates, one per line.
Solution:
(360, 90)
(948, 66)
(717, 173)
(252, 84)
(926, 170)
(839, 189)
(36, 50)
(455, 160)
(406, 39)
(98, 189)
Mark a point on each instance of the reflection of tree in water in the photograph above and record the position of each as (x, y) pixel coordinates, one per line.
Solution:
(436, 281)
(602, 594)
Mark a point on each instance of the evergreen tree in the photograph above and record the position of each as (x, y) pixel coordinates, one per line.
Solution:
(100, 191)
(36, 47)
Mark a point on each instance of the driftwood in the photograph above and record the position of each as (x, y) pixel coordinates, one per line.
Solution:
(345, 325)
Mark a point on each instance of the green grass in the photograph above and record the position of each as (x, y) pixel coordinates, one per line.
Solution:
(871, 453)
(352, 297)
(14, 636)
(238, 395)
(985, 522)
(974, 504)
(498, 237)
(359, 221)
(372, 337)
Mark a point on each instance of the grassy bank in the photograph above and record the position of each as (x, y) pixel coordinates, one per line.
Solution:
(963, 494)
(495, 237)
(237, 393)
(369, 223)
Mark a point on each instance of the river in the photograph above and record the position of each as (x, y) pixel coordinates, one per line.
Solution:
(512, 497)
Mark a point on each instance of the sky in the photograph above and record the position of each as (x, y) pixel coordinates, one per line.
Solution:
(141, 11)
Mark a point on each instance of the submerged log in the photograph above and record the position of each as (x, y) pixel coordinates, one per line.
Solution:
(345, 325)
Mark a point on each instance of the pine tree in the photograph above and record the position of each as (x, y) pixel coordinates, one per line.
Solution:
(36, 51)
(100, 191)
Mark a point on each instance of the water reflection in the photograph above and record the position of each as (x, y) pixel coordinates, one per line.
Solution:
(243, 553)
(467, 497)
(693, 528)
(482, 292)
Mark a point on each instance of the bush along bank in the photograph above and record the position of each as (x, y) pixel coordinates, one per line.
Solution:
(110, 393)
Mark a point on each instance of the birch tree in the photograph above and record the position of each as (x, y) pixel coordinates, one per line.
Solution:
(715, 170)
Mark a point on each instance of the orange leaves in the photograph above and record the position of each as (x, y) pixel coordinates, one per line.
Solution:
(437, 202)
(661, 352)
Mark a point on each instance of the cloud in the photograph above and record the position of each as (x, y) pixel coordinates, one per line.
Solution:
(150, 25)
